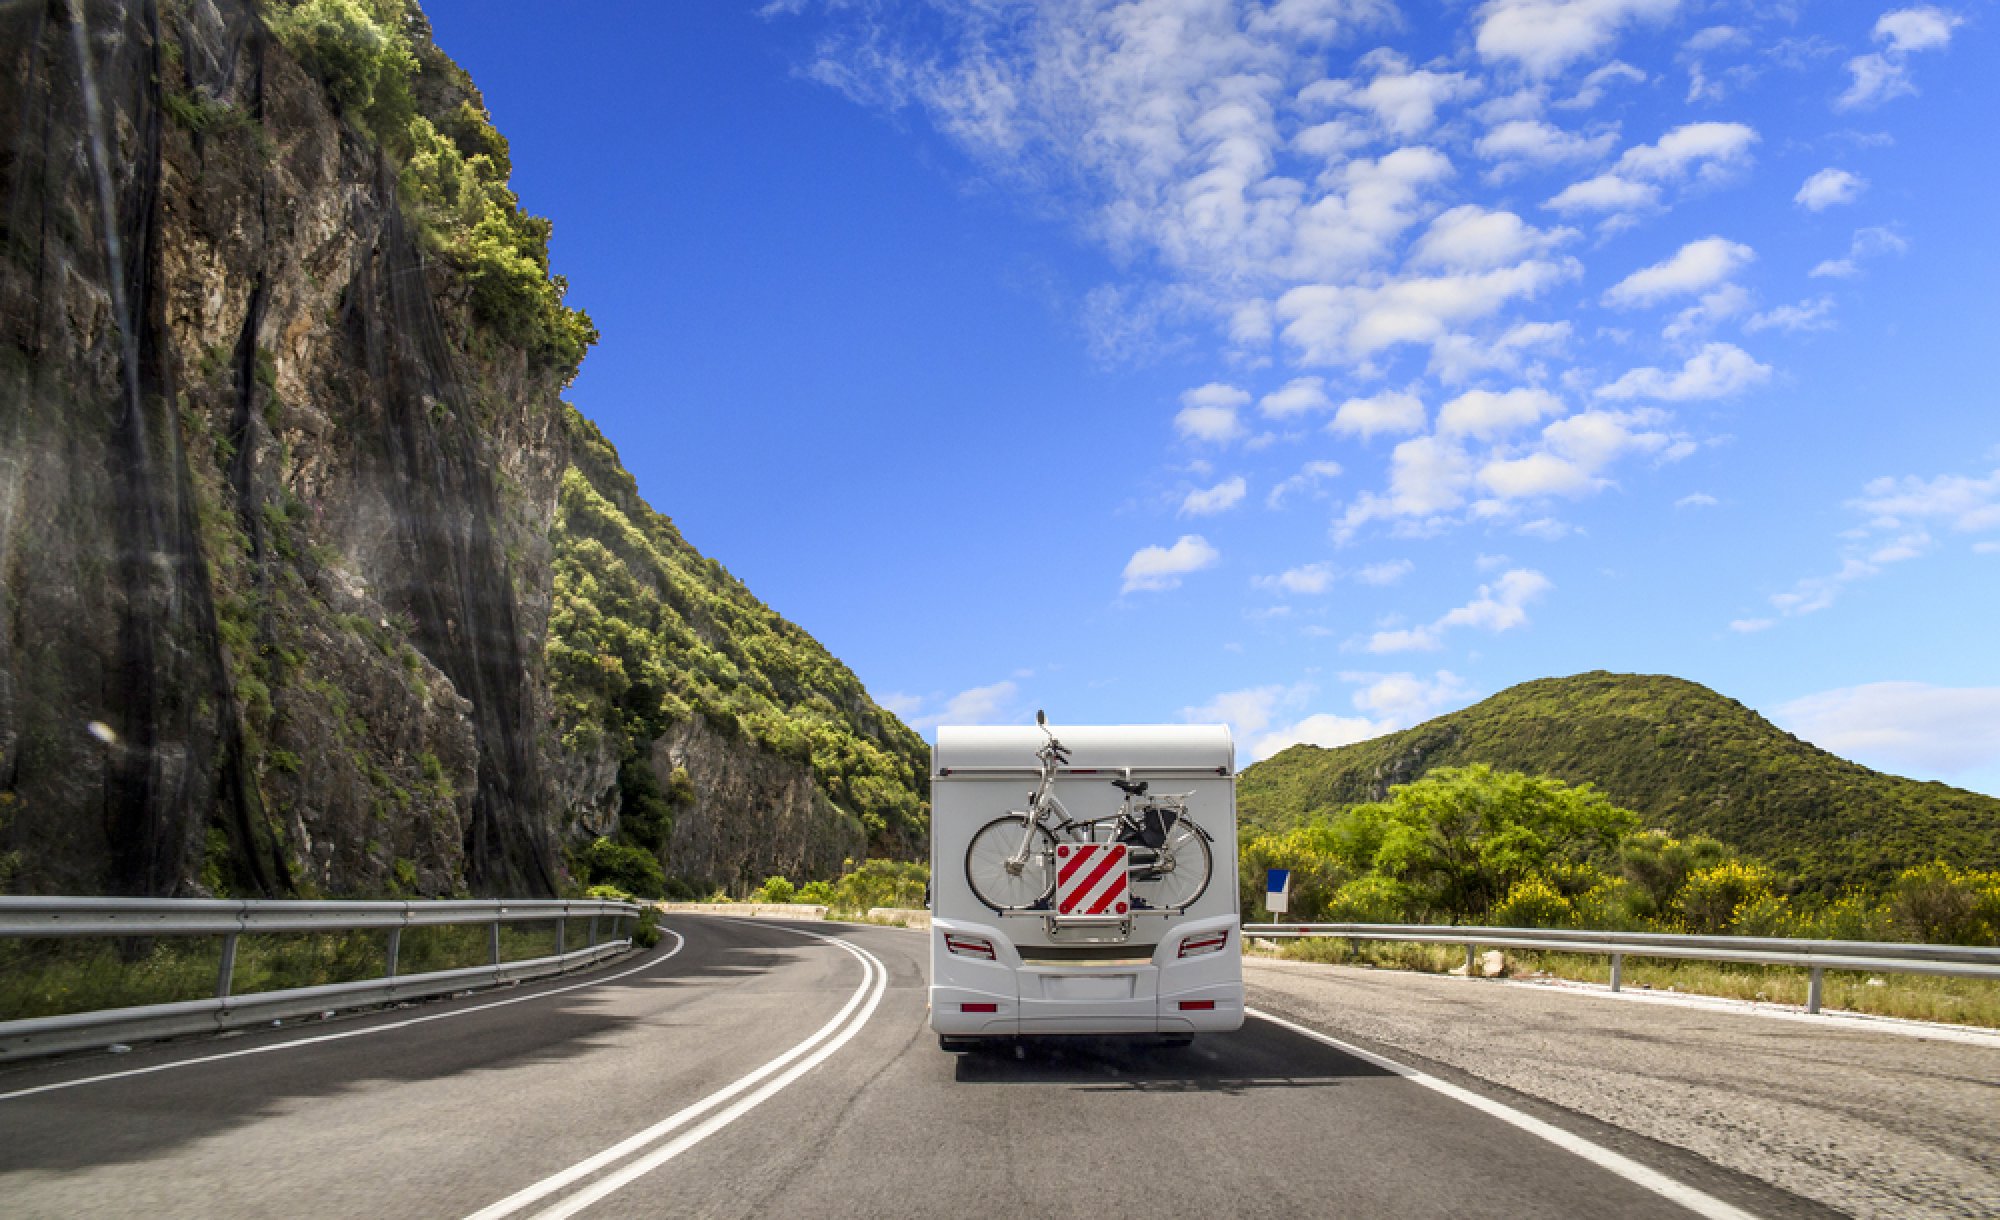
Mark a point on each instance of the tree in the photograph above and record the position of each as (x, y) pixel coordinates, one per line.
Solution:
(1461, 837)
(1658, 865)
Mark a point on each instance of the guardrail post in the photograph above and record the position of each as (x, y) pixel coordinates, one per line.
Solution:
(493, 938)
(593, 931)
(226, 973)
(560, 927)
(1471, 951)
(1617, 970)
(395, 951)
(1813, 989)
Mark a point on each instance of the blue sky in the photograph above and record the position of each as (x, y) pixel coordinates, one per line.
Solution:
(1316, 365)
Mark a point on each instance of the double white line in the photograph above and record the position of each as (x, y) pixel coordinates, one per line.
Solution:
(766, 1081)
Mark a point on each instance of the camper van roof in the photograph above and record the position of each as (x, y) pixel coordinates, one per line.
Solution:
(1138, 746)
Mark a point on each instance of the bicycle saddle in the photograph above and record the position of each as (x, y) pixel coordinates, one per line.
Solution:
(1131, 787)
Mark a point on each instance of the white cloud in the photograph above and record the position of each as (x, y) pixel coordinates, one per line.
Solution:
(1402, 101)
(1249, 710)
(1828, 188)
(1388, 572)
(991, 704)
(1390, 412)
(1694, 267)
(1500, 606)
(1715, 37)
(978, 705)
(1489, 415)
(1536, 475)
(1804, 316)
(1457, 358)
(1916, 29)
(1471, 238)
(1540, 143)
(1298, 396)
(1885, 74)
(1699, 499)
(1710, 150)
(1718, 370)
(1545, 36)
(1157, 568)
(1403, 699)
(1902, 725)
(902, 705)
(1867, 243)
(1219, 498)
(1713, 308)
(1208, 413)
(1321, 729)
(1751, 626)
(1386, 701)
(1604, 193)
(1967, 504)
(1309, 478)
(1592, 90)
(1336, 323)
(1307, 579)
(1899, 514)
(1428, 476)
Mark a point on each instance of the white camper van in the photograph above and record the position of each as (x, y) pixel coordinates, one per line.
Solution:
(1083, 881)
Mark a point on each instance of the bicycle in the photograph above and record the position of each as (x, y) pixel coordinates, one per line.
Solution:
(1011, 861)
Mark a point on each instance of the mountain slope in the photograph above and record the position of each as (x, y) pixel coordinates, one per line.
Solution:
(658, 655)
(1685, 758)
(294, 522)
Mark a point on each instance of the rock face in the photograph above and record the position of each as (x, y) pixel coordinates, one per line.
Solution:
(278, 482)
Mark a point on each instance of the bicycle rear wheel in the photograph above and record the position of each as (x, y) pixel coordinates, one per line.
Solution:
(1181, 876)
(990, 866)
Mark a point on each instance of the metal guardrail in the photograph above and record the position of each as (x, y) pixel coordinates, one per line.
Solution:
(147, 917)
(1818, 956)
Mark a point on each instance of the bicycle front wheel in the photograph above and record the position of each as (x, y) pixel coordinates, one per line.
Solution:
(1180, 876)
(1004, 877)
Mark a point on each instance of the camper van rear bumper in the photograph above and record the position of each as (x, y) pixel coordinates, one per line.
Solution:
(1169, 992)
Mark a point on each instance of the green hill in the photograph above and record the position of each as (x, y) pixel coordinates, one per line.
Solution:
(1687, 759)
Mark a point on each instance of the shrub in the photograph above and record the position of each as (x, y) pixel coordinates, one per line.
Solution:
(775, 889)
(1714, 898)
(1939, 904)
(1370, 899)
(359, 51)
(629, 868)
(1534, 903)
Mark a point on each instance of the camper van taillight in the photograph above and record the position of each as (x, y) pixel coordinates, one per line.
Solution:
(979, 1008)
(969, 946)
(1207, 942)
(1197, 1005)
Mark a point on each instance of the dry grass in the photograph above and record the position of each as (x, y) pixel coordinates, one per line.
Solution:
(1922, 997)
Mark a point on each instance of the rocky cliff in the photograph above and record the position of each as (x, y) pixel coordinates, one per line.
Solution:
(286, 490)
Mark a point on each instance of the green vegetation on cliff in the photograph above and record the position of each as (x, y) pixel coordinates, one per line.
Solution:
(646, 632)
(423, 109)
(1685, 759)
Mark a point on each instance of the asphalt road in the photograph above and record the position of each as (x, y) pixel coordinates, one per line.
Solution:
(756, 1070)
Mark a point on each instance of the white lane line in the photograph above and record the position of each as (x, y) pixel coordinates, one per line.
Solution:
(835, 1034)
(1696, 1201)
(680, 942)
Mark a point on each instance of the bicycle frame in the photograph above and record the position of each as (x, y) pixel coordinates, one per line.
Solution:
(1043, 800)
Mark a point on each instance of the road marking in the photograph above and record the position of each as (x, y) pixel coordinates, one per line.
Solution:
(1696, 1201)
(680, 942)
(835, 1034)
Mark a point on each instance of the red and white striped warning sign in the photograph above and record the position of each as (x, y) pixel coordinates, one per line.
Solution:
(1092, 879)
